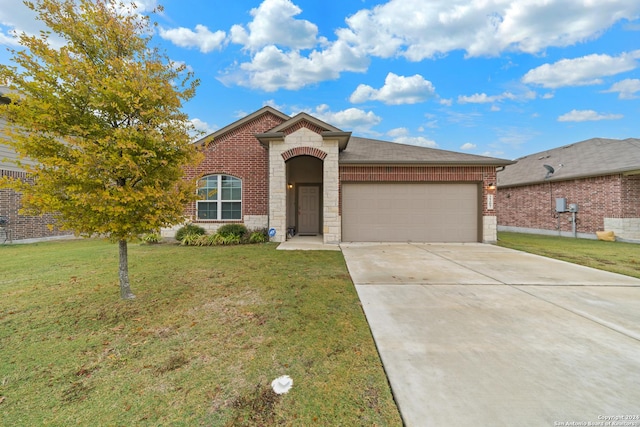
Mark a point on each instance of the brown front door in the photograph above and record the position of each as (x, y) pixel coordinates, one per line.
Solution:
(308, 210)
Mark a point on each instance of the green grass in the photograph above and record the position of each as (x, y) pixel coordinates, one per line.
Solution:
(617, 257)
(209, 329)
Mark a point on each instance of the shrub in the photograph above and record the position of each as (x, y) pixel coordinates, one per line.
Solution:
(151, 238)
(258, 237)
(189, 229)
(231, 239)
(190, 239)
(237, 230)
(214, 240)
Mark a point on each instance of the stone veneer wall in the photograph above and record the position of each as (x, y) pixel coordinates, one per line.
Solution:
(307, 142)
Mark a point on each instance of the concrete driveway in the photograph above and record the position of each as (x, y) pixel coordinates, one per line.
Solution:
(473, 334)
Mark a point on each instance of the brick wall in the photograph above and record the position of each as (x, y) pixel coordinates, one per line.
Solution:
(480, 174)
(240, 154)
(533, 206)
(22, 227)
(630, 194)
(303, 124)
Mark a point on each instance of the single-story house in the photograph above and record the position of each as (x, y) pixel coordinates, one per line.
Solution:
(17, 227)
(596, 181)
(300, 175)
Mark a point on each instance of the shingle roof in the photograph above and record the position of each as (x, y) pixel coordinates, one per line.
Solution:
(372, 151)
(593, 157)
(364, 150)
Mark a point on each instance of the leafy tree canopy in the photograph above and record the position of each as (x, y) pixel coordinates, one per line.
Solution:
(101, 117)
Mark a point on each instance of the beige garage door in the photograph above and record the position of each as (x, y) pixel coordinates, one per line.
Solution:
(399, 212)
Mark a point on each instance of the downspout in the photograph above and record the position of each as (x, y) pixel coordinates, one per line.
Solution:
(554, 212)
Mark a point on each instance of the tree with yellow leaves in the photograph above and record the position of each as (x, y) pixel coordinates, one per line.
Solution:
(100, 117)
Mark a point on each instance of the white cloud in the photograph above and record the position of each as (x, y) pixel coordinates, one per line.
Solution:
(396, 90)
(8, 39)
(201, 38)
(134, 7)
(478, 98)
(498, 154)
(288, 53)
(202, 126)
(274, 24)
(583, 71)
(626, 88)
(426, 29)
(350, 119)
(145, 5)
(272, 69)
(483, 98)
(420, 141)
(20, 19)
(447, 102)
(272, 103)
(468, 146)
(587, 116)
(398, 132)
(177, 64)
(276, 41)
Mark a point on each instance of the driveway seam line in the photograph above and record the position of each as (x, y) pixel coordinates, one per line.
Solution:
(593, 319)
(457, 263)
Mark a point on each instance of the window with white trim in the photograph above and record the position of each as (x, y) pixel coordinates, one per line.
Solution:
(220, 198)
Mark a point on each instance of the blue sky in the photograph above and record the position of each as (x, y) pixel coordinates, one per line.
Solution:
(503, 78)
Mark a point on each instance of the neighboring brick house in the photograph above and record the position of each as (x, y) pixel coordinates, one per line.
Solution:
(19, 227)
(304, 176)
(601, 177)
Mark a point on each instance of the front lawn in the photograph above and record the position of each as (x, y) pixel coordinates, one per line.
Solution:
(617, 257)
(210, 328)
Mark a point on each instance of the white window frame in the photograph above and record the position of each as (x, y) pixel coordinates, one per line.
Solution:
(218, 200)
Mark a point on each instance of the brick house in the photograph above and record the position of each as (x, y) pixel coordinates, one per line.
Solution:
(19, 227)
(303, 176)
(600, 178)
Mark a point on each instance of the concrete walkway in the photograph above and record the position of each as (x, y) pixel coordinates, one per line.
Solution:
(306, 243)
(473, 334)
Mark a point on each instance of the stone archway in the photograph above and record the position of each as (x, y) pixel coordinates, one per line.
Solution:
(282, 149)
(304, 193)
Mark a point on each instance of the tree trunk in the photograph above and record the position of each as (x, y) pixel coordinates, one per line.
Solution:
(125, 287)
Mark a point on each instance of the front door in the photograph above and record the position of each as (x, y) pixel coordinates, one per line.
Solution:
(308, 210)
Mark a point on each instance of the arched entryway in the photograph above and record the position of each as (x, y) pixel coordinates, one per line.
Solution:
(291, 140)
(304, 195)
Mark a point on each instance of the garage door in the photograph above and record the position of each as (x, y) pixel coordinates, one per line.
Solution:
(401, 212)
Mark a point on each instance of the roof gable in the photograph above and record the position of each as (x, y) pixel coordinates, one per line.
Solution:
(238, 123)
(304, 120)
(592, 157)
(300, 119)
